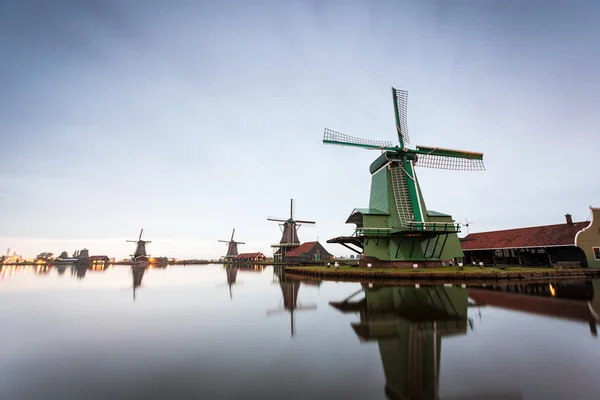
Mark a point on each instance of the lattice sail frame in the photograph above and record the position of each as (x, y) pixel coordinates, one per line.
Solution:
(449, 163)
(337, 138)
(401, 105)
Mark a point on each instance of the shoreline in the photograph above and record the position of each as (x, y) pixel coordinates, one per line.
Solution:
(354, 274)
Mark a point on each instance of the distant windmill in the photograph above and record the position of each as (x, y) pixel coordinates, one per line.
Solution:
(232, 249)
(289, 290)
(467, 224)
(139, 257)
(289, 238)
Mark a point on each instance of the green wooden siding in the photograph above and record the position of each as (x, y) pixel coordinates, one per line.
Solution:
(390, 194)
(379, 191)
(589, 238)
(375, 221)
(452, 248)
(374, 249)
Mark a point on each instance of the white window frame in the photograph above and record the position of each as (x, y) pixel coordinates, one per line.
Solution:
(594, 252)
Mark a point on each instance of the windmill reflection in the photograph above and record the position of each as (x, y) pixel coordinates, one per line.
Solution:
(137, 273)
(79, 270)
(290, 286)
(409, 323)
(231, 272)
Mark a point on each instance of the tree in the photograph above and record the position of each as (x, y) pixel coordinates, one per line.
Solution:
(64, 254)
(44, 256)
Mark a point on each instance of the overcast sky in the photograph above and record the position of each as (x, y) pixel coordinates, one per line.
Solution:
(190, 118)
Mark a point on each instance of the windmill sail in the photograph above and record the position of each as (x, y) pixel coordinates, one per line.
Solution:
(333, 137)
(400, 109)
(458, 160)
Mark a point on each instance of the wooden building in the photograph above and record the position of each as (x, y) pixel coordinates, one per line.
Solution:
(248, 257)
(570, 244)
(99, 262)
(306, 253)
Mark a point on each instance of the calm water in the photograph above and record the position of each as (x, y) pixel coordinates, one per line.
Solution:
(188, 334)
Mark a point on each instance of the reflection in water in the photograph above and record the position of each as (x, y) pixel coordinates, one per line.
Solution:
(404, 329)
(290, 286)
(81, 269)
(138, 273)
(232, 269)
(231, 272)
(570, 301)
(409, 323)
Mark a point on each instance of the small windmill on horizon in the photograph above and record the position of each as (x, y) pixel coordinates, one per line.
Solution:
(467, 224)
(289, 237)
(140, 257)
(232, 249)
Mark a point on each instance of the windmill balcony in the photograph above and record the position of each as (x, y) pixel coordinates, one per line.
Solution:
(434, 227)
(376, 232)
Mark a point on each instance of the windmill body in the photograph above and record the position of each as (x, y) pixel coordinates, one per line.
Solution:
(232, 248)
(140, 258)
(289, 236)
(397, 229)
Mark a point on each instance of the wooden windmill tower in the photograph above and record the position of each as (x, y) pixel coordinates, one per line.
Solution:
(289, 238)
(289, 289)
(397, 229)
(139, 257)
(232, 248)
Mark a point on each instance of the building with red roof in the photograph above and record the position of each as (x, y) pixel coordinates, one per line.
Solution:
(306, 253)
(567, 244)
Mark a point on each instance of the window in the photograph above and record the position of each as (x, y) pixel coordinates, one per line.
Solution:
(596, 253)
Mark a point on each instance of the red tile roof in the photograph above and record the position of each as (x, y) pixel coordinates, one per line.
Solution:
(304, 248)
(535, 236)
(249, 255)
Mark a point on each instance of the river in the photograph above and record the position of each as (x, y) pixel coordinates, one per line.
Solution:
(216, 333)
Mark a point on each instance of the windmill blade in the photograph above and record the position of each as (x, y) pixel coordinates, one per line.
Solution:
(276, 219)
(132, 241)
(223, 241)
(400, 106)
(460, 160)
(232, 233)
(333, 137)
(300, 221)
(142, 231)
(241, 242)
(292, 208)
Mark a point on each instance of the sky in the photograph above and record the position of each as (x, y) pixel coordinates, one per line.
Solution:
(191, 118)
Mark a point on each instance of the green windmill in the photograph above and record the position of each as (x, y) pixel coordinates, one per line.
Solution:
(397, 228)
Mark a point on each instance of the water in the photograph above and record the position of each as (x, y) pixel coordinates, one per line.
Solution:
(187, 334)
